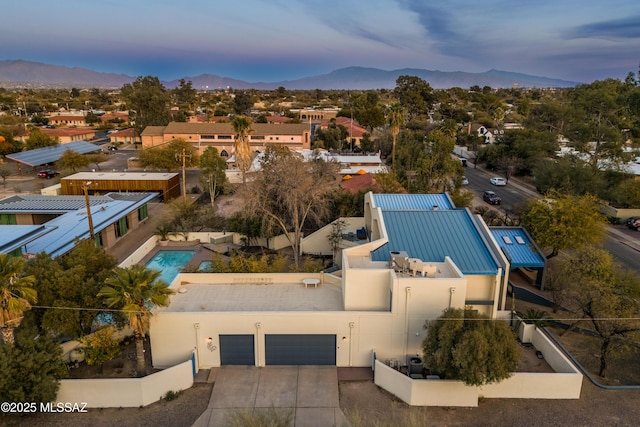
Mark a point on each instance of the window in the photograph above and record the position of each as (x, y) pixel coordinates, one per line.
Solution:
(207, 137)
(257, 137)
(143, 212)
(122, 226)
(98, 239)
(8, 219)
(224, 153)
(225, 137)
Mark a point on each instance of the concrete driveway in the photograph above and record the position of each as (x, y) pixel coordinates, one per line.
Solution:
(309, 393)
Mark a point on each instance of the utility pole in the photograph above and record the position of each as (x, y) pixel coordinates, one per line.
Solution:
(85, 188)
(184, 157)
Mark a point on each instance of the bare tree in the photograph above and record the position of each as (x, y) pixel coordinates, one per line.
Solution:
(288, 192)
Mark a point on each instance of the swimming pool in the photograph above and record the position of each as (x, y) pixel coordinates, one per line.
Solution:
(170, 263)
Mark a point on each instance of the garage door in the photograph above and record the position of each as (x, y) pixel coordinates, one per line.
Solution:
(237, 350)
(300, 349)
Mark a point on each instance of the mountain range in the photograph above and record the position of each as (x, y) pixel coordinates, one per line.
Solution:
(20, 73)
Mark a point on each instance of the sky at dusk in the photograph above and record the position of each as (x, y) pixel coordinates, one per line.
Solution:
(275, 40)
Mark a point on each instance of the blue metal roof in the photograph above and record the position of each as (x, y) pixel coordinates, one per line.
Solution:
(15, 236)
(63, 230)
(48, 204)
(405, 202)
(42, 156)
(517, 245)
(431, 235)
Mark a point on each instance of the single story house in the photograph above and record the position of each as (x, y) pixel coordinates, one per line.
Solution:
(34, 224)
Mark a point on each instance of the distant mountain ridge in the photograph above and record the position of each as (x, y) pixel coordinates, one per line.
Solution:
(20, 73)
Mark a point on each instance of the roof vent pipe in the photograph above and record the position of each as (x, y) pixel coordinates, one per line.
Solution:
(435, 207)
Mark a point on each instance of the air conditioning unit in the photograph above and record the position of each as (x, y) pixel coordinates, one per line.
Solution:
(399, 260)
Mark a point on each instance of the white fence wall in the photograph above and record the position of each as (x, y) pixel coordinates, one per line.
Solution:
(564, 383)
(126, 392)
(140, 253)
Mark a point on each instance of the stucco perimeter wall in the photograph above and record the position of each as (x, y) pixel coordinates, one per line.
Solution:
(565, 383)
(424, 392)
(140, 253)
(127, 392)
(318, 242)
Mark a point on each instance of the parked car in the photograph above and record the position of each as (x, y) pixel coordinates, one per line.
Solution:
(463, 161)
(491, 198)
(634, 223)
(465, 181)
(496, 180)
(47, 173)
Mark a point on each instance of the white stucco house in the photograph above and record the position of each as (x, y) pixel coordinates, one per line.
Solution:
(420, 256)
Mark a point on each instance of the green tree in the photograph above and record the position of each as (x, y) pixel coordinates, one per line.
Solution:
(606, 295)
(288, 192)
(470, 347)
(602, 114)
(91, 118)
(100, 346)
(72, 160)
(96, 159)
(625, 195)
(396, 117)
(4, 173)
(148, 103)
(169, 156)
(567, 175)
(561, 222)
(333, 137)
(31, 368)
(241, 145)
(17, 293)
(437, 169)
(367, 110)
(38, 139)
(242, 102)
(415, 95)
(136, 290)
(185, 95)
(71, 280)
(212, 173)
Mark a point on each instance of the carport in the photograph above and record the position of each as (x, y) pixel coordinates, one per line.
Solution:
(47, 155)
(521, 251)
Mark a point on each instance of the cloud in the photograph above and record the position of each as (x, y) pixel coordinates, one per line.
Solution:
(624, 28)
(440, 28)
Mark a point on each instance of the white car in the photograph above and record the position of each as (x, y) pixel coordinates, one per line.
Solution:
(465, 181)
(496, 180)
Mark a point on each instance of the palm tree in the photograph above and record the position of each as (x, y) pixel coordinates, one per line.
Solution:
(136, 290)
(16, 294)
(241, 146)
(396, 117)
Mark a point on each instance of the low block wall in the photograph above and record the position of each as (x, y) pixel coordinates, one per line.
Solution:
(140, 253)
(126, 392)
(564, 383)
(621, 214)
(425, 392)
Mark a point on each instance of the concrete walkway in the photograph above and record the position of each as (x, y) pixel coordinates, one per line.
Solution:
(308, 393)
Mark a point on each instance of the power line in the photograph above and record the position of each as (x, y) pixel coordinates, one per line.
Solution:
(87, 309)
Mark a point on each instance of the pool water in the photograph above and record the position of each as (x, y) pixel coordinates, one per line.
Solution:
(170, 263)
